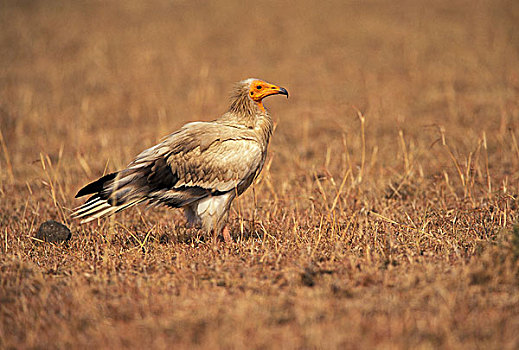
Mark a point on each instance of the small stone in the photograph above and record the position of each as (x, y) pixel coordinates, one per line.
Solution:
(53, 231)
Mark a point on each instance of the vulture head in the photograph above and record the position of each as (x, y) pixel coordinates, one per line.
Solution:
(249, 94)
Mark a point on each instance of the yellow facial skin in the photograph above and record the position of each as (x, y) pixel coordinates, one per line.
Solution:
(259, 90)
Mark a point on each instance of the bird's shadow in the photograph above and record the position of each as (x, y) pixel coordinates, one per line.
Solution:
(195, 237)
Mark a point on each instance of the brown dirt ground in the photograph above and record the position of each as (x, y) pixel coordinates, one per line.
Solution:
(384, 217)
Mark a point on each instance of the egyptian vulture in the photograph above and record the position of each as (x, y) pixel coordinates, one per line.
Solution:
(201, 167)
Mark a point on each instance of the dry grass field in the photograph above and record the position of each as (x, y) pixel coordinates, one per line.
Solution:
(384, 217)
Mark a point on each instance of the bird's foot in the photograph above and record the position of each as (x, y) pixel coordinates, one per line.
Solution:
(226, 235)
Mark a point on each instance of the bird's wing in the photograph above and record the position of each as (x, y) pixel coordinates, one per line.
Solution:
(199, 159)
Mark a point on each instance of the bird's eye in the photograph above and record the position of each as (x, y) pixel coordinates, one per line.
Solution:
(251, 93)
(258, 87)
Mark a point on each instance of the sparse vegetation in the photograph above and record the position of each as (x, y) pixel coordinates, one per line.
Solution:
(384, 216)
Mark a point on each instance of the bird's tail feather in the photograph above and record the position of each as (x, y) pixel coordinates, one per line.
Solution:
(110, 194)
(88, 212)
(118, 191)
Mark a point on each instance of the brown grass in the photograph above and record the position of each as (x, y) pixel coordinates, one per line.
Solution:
(384, 215)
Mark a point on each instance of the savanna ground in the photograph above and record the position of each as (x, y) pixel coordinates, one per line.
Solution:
(383, 218)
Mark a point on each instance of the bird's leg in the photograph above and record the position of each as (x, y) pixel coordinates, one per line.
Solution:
(226, 235)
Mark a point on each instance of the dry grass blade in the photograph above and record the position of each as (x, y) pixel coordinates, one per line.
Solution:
(360, 232)
(7, 158)
(362, 120)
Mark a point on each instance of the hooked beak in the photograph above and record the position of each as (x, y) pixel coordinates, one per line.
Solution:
(260, 89)
(283, 91)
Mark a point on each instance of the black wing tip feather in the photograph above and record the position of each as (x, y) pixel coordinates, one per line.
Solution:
(96, 186)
